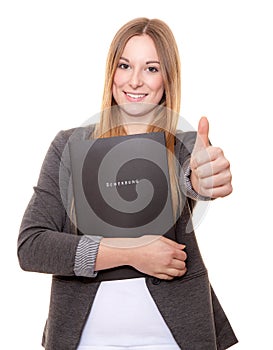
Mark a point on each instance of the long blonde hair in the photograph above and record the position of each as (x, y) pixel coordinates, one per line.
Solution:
(169, 106)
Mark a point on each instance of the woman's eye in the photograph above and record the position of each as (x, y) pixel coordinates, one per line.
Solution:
(153, 69)
(123, 66)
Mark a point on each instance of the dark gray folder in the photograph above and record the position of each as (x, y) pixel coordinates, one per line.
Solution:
(122, 189)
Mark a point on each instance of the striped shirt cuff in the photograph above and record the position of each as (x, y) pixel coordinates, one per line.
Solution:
(86, 255)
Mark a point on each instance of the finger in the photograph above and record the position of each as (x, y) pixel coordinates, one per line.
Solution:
(173, 243)
(218, 166)
(203, 131)
(202, 139)
(207, 155)
(170, 273)
(163, 276)
(176, 272)
(218, 180)
(177, 264)
(221, 191)
(180, 255)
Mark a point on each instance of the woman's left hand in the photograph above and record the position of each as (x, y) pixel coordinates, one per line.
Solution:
(210, 176)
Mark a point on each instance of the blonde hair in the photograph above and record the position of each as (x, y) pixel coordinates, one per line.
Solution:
(167, 113)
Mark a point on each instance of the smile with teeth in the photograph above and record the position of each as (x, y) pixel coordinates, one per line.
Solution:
(135, 96)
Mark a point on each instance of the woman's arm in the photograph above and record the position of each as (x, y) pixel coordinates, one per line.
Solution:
(44, 244)
(156, 256)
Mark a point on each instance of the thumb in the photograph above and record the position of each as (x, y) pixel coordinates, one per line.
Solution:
(202, 139)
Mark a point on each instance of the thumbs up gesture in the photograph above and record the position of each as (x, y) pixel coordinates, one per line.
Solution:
(210, 176)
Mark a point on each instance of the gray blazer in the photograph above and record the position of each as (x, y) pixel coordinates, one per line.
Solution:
(47, 244)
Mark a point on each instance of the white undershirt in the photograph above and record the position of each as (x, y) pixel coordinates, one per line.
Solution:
(124, 316)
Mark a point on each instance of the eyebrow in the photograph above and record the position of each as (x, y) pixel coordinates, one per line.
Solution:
(148, 62)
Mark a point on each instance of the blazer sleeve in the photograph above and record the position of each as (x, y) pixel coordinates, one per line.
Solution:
(45, 243)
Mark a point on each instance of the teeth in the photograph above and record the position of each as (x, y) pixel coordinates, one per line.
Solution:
(136, 96)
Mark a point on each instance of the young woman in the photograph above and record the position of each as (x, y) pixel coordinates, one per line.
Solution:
(173, 305)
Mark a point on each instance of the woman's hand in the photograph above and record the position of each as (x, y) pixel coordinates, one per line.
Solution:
(160, 257)
(210, 176)
(153, 255)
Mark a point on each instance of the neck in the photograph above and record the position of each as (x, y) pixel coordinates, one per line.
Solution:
(137, 118)
(135, 129)
(136, 125)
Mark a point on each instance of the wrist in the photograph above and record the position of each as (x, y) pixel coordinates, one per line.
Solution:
(114, 252)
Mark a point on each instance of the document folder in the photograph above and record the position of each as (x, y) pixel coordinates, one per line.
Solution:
(121, 189)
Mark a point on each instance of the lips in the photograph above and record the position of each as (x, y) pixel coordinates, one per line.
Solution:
(135, 97)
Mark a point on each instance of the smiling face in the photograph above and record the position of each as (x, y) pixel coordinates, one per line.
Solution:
(138, 83)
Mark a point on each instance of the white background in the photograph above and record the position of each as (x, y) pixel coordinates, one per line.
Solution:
(52, 71)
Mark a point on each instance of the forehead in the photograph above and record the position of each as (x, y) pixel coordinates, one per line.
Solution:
(140, 47)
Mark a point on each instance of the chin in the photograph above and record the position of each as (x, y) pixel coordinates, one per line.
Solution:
(136, 109)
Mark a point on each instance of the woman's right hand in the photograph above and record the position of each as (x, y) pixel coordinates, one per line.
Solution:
(159, 256)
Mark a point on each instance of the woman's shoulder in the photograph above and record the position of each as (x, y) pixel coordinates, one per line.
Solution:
(82, 132)
(58, 148)
(78, 133)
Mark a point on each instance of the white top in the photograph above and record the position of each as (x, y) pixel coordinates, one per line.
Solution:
(145, 347)
(125, 316)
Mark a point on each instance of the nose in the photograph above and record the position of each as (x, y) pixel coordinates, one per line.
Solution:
(136, 79)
